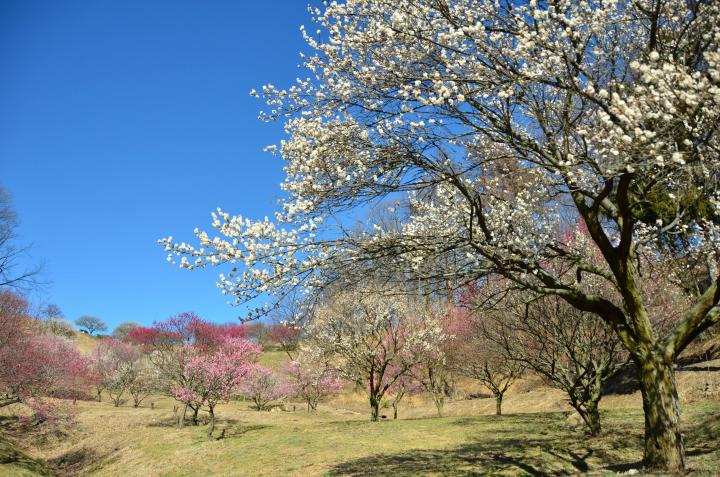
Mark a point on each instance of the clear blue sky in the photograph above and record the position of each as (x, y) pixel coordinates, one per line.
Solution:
(125, 121)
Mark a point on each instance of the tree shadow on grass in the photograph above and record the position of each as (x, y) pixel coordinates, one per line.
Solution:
(11, 455)
(472, 459)
(550, 449)
(77, 461)
(549, 454)
(239, 430)
(703, 437)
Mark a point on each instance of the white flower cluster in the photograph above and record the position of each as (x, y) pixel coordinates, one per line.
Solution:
(501, 120)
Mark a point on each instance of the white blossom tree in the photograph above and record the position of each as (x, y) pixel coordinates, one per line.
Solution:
(374, 339)
(500, 120)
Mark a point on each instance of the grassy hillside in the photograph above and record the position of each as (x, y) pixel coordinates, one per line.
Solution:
(539, 435)
(142, 442)
(85, 343)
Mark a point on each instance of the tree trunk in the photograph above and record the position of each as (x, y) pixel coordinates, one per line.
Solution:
(395, 406)
(590, 413)
(99, 395)
(498, 404)
(211, 424)
(195, 415)
(663, 442)
(181, 417)
(439, 405)
(374, 409)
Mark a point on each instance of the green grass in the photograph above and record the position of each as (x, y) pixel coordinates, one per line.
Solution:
(274, 359)
(142, 442)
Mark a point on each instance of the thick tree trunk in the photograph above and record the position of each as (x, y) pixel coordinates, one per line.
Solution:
(498, 404)
(181, 417)
(211, 424)
(590, 413)
(196, 410)
(99, 395)
(663, 442)
(374, 409)
(395, 406)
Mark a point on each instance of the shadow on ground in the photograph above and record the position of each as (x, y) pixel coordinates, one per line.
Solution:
(548, 450)
(500, 456)
(11, 455)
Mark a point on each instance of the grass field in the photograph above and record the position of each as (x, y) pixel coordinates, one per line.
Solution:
(142, 442)
(537, 436)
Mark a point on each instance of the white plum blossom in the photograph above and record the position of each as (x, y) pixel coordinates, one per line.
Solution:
(500, 124)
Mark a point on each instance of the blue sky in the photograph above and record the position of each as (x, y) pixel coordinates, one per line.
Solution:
(125, 121)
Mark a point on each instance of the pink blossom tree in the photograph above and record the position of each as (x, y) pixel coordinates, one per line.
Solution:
(312, 379)
(39, 366)
(171, 345)
(475, 355)
(213, 377)
(286, 336)
(262, 386)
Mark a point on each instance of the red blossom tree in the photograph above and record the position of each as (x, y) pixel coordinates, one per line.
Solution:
(33, 365)
(286, 336)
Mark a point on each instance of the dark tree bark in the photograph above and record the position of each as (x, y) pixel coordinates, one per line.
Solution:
(211, 423)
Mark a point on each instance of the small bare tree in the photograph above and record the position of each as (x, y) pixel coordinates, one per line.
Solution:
(12, 273)
(475, 353)
(570, 349)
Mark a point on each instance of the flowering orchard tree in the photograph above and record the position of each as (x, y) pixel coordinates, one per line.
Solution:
(262, 386)
(115, 365)
(148, 381)
(500, 120)
(568, 348)
(434, 371)
(214, 376)
(286, 336)
(375, 339)
(34, 365)
(571, 349)
(312, 378)
(38, 366)
(171, 344)
(15, 322)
